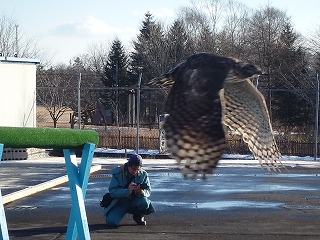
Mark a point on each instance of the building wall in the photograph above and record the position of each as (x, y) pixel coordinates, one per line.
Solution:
(17, 92)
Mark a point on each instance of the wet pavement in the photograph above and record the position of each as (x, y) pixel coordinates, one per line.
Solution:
(239, 201)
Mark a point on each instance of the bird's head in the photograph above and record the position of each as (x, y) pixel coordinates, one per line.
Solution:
(246, 70)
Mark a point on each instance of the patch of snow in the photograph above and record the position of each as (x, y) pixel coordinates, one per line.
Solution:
(224, 156)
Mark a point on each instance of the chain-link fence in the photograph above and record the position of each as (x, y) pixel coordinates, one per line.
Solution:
(110, 111)
(113, 113)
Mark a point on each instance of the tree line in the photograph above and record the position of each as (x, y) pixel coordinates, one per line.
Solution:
(265, 37)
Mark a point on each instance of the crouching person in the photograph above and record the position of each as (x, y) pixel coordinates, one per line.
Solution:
(130, 188)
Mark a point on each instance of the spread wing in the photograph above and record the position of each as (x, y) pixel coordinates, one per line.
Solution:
(194, 130)
(201, 85)
(246, 113)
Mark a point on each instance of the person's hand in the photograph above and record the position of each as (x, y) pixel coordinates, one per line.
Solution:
(138, 190)
(132, 186)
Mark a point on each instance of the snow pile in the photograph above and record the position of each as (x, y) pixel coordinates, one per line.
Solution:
(154, 153)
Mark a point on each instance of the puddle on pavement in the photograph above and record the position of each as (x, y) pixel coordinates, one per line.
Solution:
(222, 205)
(22, 208)
(103, 175)
(302, 207)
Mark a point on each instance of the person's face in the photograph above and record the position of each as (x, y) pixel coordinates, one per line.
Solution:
(133, 170)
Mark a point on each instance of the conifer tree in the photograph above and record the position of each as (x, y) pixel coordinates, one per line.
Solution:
(116, 76)
(149, 58)
(150, 50)
(179, 45)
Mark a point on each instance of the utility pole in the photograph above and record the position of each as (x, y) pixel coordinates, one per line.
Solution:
(16, 54)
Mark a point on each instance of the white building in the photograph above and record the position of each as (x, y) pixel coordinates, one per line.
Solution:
(18, 92)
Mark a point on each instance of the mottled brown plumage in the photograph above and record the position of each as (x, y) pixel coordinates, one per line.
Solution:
(208, 90)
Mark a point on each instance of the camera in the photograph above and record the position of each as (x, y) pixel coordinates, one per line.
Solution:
(143, 186)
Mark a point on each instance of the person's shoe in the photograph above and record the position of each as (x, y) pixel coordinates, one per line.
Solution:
(112, 225)
(139, 219)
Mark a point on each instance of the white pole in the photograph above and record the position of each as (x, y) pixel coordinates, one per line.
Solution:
(79, 107)
(138, 113)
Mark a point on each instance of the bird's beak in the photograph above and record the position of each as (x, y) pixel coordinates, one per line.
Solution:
(264, 74)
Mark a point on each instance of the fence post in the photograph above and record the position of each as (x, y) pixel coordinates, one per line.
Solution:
(138, 113)
(79, 106)
(316, 120)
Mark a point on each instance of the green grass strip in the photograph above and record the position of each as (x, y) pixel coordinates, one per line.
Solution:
(25, 137)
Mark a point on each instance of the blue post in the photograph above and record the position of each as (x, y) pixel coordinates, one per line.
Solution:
(78, 181)
(3, 223)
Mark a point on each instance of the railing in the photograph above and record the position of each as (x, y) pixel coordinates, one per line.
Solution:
(235, 146)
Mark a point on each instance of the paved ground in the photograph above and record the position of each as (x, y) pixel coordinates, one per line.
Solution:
(240, 201)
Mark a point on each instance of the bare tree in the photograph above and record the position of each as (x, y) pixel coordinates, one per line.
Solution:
(232, 37)
(96, 57)
(313, 44)
(7, 36)
(55, 91)
(14, 43)
(313, 40)
(200, 30)
(265, 29)
(202, 14)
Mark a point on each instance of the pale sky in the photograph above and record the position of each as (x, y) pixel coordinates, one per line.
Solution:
(65, 28)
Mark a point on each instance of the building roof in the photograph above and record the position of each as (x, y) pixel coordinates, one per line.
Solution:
(19, 60)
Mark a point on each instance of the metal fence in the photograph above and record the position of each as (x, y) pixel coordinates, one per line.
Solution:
(113, 113)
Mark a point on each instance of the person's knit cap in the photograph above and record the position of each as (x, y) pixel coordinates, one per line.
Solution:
(135, 160)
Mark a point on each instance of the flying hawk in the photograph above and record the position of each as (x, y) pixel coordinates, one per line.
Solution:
(208, 90)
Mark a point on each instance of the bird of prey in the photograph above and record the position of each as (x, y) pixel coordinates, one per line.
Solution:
(208, 92)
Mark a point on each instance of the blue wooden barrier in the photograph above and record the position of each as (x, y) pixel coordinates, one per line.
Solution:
(78, 175)
(3, 222)
(78, 181)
